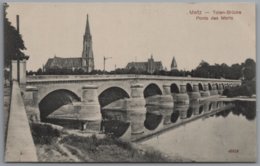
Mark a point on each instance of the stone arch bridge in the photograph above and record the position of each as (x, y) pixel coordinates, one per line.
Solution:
(43, 91)
(121, 85)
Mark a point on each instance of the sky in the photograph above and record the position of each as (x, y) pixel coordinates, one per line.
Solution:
(130, 32)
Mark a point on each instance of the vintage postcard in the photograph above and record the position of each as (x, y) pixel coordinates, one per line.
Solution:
(130, 82)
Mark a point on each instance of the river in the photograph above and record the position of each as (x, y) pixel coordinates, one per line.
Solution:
(228, 136)
(209, 131)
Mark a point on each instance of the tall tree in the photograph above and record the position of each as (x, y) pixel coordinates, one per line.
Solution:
(13, 42)
(249, 69)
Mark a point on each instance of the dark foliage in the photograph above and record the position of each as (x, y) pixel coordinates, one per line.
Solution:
(248, 88)
(247, 109)
(13, 42)
(44, 133)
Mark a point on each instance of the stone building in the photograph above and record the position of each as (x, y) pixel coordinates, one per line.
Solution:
(85, 62)
(150, 66)
(174, 64)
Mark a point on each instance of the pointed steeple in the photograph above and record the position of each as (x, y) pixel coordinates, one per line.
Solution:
(174, 64)
(87, 30)
(87, 53)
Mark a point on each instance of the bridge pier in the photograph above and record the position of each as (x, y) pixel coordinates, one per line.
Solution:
(206, 106)
(181, 102)
(161, 104)
(195, 107)
(182, 97)
(221, 89)
(166, 104)
(220, 104)
(195, 94)
(135, 106)
(214, 90)
(214, 105)
(205, 92)
(90, 113)
(31, 103)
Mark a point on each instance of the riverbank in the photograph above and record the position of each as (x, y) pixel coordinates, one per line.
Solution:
(56, 144)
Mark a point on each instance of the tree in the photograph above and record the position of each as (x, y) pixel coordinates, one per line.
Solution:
(39, 71)
(249, 69)
(13, 42)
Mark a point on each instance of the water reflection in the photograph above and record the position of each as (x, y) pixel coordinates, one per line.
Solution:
(175, 116)
(115, 127)
(189, 112)
(182, 109)
(152, 121)
(156, 120)
(246, 109)
(226, 125)
(195, 107)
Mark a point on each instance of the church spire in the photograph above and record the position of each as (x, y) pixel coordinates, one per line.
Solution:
(87, 30)
(87, 53)
(174, 64)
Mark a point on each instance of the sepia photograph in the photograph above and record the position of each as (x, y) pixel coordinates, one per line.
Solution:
(129, 82)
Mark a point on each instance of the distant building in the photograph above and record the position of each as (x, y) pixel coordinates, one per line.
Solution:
(85, 62)
(150, 66)
(174, 64)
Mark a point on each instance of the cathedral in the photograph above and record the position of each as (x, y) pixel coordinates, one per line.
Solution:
(150, 66)
(85, 62)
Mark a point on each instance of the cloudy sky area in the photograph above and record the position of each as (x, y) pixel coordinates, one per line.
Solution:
(132, 31)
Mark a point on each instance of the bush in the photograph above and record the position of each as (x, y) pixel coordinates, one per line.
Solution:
(44, 133)
(247, 89)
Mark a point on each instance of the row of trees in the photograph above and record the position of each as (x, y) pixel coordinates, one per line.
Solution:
(245, 70)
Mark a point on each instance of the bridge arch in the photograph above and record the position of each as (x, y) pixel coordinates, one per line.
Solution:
(152, 90)
(200, 87)
(188, 87)
(175, 88)
(54, 100)
(112, 94)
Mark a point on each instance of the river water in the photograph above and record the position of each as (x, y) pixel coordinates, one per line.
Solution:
(211, 131)
(228, 136)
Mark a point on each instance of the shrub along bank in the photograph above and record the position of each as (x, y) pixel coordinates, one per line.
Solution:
(55, 144)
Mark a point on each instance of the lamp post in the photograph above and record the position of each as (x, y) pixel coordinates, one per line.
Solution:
(18, 54)
(104, 63)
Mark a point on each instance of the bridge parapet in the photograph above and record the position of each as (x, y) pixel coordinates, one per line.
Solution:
(72, 78)
(19, 142)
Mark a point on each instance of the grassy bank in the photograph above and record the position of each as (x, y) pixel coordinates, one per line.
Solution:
(55, 144)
